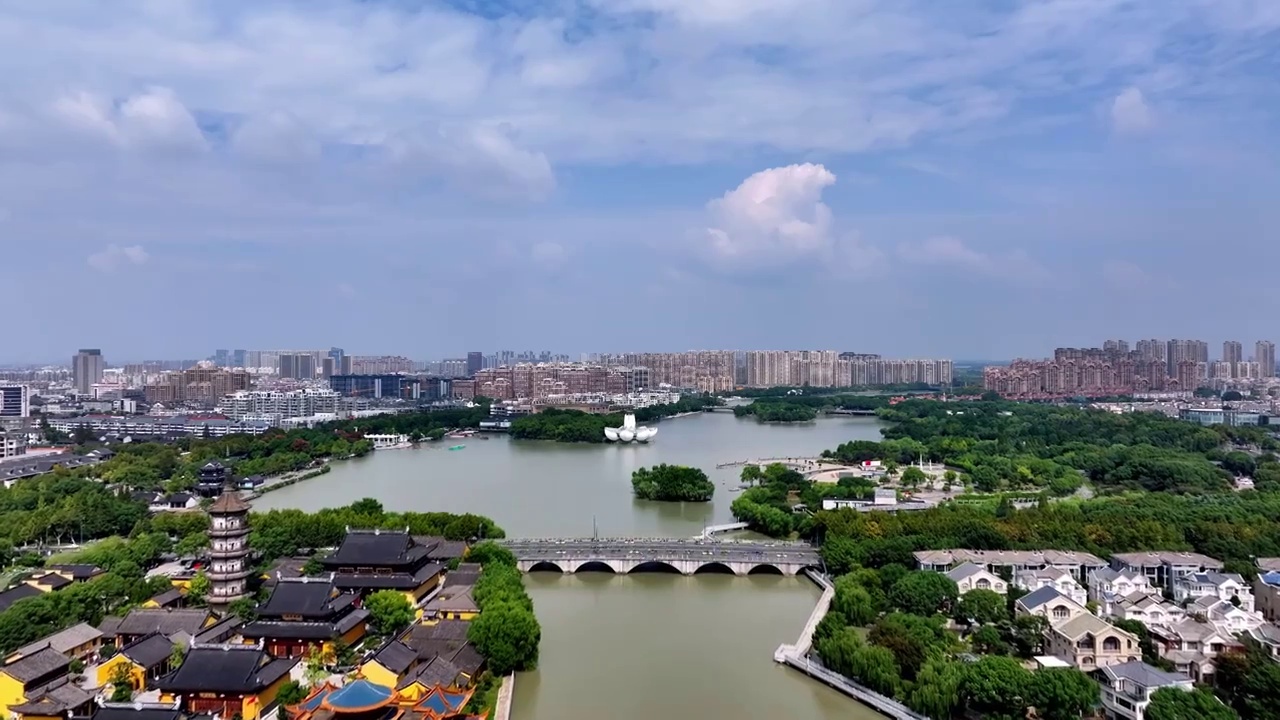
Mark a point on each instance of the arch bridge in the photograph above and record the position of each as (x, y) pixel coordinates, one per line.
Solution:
(688, 557)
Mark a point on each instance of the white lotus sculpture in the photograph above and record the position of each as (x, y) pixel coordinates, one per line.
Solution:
(629, 432)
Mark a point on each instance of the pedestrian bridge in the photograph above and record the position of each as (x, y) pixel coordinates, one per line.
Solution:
(688, 557)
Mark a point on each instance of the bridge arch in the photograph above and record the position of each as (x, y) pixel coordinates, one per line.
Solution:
(599, 566)
(765, 569)
(545, 566)
(714, 568)
(659, 566)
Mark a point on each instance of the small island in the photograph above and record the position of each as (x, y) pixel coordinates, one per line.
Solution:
(672, 483)
(777, 411)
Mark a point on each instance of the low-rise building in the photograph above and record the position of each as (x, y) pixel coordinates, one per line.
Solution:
(975, 577)
(22, 680)
(143, 661)
(372, 560)
(226, 680)
(302, 614)
(81, 641)
(1191, 646)
(1266, 593)
(403, 663)
(1089, 642)
(1061, 580)
(1162, 566)
(1225, 615)
(1078, 564)
(17, 592)
(1127, 688)
(177, 625)
(62, 698)
(1220, 586)
(1148, 609)
(453, 602)
(1048, 602)
(1106, 585)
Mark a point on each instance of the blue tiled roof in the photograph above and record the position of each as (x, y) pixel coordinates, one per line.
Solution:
(357, 695)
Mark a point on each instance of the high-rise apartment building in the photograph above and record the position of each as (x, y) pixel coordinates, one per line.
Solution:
(297, 366)
(14, 401)
(1232, 351)
(87, 367)
(475, 363)
(827, 368)
(1116, 346)
(239, 358)
(1180, 351)
(1264, 353)
(1152, 350)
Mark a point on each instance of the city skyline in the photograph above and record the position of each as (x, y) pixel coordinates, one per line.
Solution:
(402, 177)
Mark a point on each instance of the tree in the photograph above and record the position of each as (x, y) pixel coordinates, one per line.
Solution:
(1232, 396)
(911, 638)
(1177, 704)
(314, 669)
(198, 590)
(996, 686)
(923, 593)
(913, 477)
(507, 635)
(988, 641)
(291, 693)
(177, 655)
(853, 602)
(367, 506)
(672, 483)
(121, 682)
(936, 691)
(1027, 634)
(1062, 693)
(981, 606)
(245, 608)
(389, 611)
(831, 624)
(1249, 680)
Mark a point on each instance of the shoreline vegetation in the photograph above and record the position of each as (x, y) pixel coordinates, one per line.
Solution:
(1158, 484)
(796, 408)
(672, 483)
(576, 426)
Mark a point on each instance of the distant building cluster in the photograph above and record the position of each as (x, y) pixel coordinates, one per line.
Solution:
(530, 381)
(708, 371)
(829, 368)
(1114, 368)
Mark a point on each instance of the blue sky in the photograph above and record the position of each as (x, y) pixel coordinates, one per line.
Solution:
(973, 179)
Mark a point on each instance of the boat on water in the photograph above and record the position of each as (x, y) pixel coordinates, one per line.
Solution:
(457, 447)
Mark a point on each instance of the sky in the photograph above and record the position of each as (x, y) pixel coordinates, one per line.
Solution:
(978, 179)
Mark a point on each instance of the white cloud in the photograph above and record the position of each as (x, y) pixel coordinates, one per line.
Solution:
(953, 254)
(153, 119)
(484, 159)
(614, 80)
(1130, 114)
(114, 257)
(776, 215)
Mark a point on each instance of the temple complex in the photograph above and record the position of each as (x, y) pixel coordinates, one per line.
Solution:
(373, 560)
(305, 613)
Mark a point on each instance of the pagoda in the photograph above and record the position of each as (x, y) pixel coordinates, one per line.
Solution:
(228, 569)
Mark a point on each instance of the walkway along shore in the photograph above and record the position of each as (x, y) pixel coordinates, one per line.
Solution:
(508, 689)
(800, 657)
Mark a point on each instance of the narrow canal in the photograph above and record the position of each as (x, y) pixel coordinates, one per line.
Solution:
(632, 647)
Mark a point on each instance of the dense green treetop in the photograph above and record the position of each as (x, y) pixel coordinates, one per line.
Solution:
(672, 483)
(506, 632)
(1178, 704)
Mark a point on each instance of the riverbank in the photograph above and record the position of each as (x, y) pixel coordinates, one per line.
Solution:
(800, 657)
